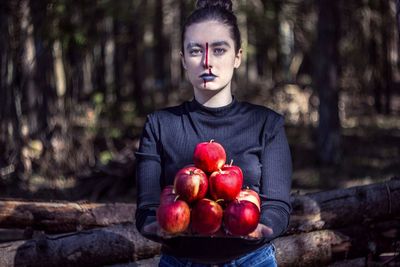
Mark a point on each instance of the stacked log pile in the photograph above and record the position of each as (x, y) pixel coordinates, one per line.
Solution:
(344, 227)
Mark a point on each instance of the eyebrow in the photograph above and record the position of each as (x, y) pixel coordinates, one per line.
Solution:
(214, 44)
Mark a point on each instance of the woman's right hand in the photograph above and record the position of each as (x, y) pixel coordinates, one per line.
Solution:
(155, 229)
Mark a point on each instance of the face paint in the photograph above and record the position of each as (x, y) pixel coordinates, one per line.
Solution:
(206, 65)
(210, 58)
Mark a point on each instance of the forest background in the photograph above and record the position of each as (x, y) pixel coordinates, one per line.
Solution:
(77, 79)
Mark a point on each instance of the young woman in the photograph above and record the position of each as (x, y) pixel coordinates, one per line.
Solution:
(252, 135)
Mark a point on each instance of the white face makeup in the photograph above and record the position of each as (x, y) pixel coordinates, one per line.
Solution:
(209, 56)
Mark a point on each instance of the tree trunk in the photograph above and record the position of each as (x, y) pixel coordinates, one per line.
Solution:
(364, 221)
(137, 57)
(31, 93)
(313, 211)
(119, 58)
(99, 70)
(174, 59)
(4, 85)
(46, 95)
(309, 249)
(122, 243)
(342, 207)
(98, 247)
(398, 16)
(13, 93)
(7, 235)
(327, 82)
(159, 48)
(61, 217)
(387, 75)
(373, 56)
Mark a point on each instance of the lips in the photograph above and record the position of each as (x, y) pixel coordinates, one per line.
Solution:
(208, 76)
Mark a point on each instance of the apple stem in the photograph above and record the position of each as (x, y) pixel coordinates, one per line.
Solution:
(212, 140)
(176, 198)
(219, 200)
(231, 163)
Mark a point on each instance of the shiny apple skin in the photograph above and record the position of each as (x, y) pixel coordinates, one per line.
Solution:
(174, 218)
(209, 156)
(225, 185)
(241, 218)
(250, 195)
(167, 195)
(190, 184)
(229, 167)
(206, 217)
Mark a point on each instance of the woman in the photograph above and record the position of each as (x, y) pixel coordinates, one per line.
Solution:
(252, 135)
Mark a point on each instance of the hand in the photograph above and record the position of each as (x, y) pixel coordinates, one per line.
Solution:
(155, 229)
(152, 228)
(261, 231)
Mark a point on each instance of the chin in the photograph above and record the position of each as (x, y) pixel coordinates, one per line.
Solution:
(210, 91)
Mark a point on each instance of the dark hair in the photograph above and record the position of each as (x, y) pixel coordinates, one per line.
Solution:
(217, 10)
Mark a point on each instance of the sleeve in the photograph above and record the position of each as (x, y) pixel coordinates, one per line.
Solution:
(276, 179)
(148, 173)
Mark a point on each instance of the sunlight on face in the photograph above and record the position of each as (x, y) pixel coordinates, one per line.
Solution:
(209, 56)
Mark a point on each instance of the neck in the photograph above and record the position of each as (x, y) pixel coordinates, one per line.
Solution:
(213, 99)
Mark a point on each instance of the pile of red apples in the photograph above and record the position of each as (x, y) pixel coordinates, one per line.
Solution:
(207, 198)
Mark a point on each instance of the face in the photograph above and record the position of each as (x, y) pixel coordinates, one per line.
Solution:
(209, 56)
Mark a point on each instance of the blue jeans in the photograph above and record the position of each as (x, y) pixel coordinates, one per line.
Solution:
(262, 257)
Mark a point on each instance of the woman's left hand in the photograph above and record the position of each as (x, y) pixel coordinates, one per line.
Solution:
(261, 231)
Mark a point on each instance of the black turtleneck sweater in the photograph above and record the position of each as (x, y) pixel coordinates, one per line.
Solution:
(253, 136)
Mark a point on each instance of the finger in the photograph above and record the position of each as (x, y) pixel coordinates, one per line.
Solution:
(266, 231)
(256, 233)
(151, 228)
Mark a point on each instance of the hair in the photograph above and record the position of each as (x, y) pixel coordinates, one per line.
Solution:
(214, 10)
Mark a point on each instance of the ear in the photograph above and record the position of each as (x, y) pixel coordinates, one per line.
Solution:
(238, 58)
(183, 59)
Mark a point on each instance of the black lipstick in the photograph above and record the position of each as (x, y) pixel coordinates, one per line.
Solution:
(208, 76)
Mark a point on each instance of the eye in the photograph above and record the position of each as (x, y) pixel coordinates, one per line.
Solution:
(219, 51)
(195, 51)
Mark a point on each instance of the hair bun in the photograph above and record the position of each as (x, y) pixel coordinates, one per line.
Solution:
(223, 4)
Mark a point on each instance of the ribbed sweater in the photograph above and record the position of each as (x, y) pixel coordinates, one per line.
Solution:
(253, 137)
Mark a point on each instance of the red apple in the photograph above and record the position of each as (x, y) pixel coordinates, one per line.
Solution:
(168, 195)
(230, 167)
(250, 195)
(241, 217)
(209, 156)
(190, 184)
(225, 185)
(174, 217)
(206, 216)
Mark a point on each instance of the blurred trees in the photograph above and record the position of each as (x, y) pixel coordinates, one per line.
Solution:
(327, 80)
(78, 76)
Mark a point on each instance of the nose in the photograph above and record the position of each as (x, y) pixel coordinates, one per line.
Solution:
(206, 60)
(207, 65)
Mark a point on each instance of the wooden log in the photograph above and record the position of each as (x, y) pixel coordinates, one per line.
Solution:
(308, 249)
(319, 248)
(118, 244)
(341, 207)
(7, 235)
(62, 217)
(96, 247)
(357, 262)
(151, 262)
(122, 243)
(313, 211)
